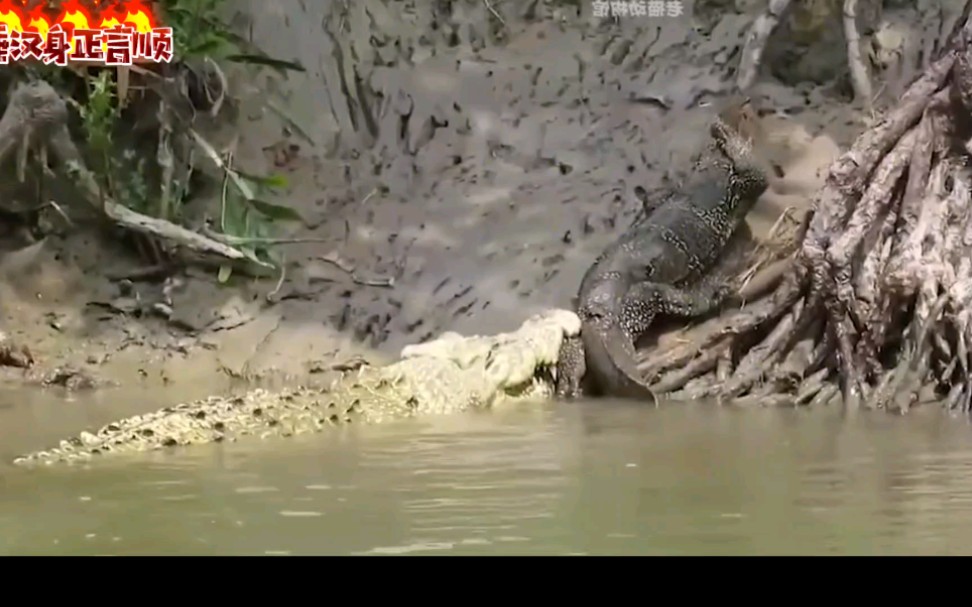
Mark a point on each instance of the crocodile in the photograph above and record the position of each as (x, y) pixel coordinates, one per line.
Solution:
(663, 264)
(450, 374)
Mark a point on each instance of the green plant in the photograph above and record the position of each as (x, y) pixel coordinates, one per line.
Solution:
(247, 222)
(156, 184)
(198, 31)
(99, 116)
(121, 173)
(246, 218)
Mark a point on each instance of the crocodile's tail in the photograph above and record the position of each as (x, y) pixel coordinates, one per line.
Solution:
(611, 362)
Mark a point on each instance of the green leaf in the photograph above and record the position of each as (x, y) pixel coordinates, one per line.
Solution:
(171, 11)
(266, 61)
(278, 212)
(250, 253)
(224, 273)
(205, 47)
(268, 181)
(274, 181)
(234, 220)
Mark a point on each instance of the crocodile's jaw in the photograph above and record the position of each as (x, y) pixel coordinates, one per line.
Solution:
(539, 387)
(611, 363)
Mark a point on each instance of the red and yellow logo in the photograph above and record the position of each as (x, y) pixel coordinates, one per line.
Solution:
(118, 33)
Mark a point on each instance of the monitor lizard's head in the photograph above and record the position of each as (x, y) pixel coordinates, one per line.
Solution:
(738, 133)
(737, 129)
(740, 115)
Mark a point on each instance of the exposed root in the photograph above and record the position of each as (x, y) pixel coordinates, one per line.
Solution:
(759, 33)
(871, 304)
(679, 377)
(760, 358)
(858, 71)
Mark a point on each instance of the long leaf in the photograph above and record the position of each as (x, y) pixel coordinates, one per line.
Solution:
(268, 181)
(206, 47)
(276, 211)
(266, 61)
(210, 151)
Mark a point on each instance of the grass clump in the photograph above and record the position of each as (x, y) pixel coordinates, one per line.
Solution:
(139, 131)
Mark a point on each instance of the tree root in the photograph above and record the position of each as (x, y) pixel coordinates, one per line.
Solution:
(756, 39)
(37, 116)
(873, 307)
(858, 70)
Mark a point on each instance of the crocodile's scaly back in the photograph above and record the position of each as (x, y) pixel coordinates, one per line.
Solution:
(447, 375)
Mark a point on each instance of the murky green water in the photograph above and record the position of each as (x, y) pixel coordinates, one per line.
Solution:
(594, 478)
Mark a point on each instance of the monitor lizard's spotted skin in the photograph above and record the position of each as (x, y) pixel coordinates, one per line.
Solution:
(450, 374)
(663, 264)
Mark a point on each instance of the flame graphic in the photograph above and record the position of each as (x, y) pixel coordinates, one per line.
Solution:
(138, 16)
(109, 18)
(37, 21)
(71, 15)
(10, 15)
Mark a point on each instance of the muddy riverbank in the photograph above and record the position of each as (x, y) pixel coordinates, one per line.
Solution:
(466, 178)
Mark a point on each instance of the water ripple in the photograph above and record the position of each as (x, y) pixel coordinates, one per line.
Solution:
(605, 480)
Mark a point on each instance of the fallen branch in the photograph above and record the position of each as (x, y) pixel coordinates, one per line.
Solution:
(756, 39)
(248, 240)
(348, 268)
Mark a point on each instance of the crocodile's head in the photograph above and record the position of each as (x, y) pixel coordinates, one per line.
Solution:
(521, 364)
(516, 365)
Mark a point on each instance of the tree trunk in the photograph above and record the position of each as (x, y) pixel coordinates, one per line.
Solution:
(875, 305)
